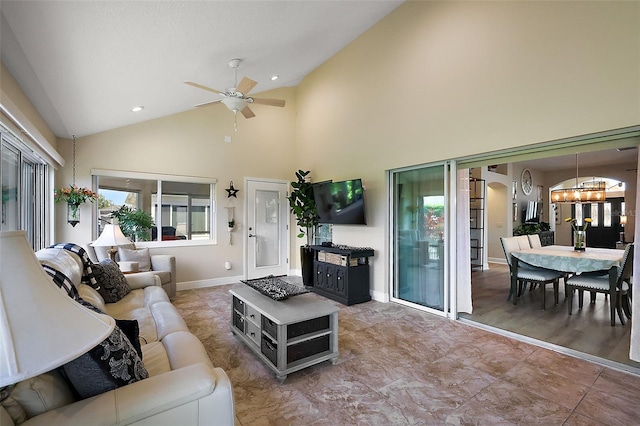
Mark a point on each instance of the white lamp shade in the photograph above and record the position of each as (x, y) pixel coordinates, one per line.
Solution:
(623, 220)
(41, 328)
(111, 236)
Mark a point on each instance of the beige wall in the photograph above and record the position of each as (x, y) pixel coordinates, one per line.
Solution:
(192, 144)
(432, 81)
(12, 97)
(439, 80)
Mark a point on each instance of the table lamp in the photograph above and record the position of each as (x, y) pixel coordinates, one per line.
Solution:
(41, 328)
(113, 237)
(623, 222)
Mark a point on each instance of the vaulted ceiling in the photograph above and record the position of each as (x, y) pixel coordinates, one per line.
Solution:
(85, 64)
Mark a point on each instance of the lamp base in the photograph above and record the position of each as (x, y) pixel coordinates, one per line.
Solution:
(112, 253)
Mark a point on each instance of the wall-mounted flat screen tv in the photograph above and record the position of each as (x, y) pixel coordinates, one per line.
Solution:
(533, 212)
(340, 203)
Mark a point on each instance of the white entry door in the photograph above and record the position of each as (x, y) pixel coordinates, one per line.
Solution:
(267, 231)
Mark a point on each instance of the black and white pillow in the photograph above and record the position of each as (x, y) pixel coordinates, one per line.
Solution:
(110, 365)
(113, 284)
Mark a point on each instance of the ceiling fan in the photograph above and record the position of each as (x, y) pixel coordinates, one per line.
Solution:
(235, 98)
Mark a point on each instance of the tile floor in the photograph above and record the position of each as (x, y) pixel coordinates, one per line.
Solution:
(400, 366)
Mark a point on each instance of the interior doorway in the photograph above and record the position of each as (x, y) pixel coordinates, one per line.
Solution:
(587, 332)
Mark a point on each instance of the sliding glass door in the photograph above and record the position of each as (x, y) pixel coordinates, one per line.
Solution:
(419, 236)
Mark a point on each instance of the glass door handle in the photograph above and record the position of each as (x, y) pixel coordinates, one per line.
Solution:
(252, 235)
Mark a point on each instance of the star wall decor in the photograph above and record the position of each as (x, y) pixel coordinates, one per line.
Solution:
(231, 191)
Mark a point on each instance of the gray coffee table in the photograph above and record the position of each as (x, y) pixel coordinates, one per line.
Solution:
(286, 335)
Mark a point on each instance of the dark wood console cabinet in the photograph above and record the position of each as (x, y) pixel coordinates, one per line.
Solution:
(342, 274)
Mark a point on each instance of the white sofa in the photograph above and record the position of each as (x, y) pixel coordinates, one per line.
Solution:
(183, 388)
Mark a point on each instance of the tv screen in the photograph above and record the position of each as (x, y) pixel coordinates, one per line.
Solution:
(340, 203)
(532, 212)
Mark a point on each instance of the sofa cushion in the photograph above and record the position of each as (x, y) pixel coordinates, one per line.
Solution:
(92, 296)
(155, 359)
(137, 305)
(113, 284)
(111, 364)
(140, 255)
(40, 394)
(184, 348)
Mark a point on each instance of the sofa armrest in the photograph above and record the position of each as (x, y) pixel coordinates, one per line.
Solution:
(166, 262)
(142, 279)
(194, 395)
(163, 262)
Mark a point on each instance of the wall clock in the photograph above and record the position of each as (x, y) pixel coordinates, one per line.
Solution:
(526, 180)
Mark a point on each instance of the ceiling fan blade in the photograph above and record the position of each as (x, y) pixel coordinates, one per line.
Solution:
(200, 86)
(247, 112)
(207, 103)
(271, 102)
(245, 86)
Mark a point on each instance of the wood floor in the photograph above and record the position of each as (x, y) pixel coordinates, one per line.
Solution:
(587, 330)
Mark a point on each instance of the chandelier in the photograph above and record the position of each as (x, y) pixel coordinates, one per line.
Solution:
(587, 192)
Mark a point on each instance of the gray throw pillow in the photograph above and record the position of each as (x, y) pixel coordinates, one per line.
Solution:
(113, 284)
(140, 255)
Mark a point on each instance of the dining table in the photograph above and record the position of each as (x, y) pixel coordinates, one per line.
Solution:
(566, 259)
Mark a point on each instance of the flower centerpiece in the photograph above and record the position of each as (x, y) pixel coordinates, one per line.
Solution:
(74, 197)
(579, 233)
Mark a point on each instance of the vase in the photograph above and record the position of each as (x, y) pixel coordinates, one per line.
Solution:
(306, 264)
(73, 213)
(579, 240)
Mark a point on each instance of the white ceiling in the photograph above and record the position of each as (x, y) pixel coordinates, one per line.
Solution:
(85, 64)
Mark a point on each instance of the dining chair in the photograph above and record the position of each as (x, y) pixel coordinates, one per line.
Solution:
(616, 282)
(534, 241)
(528, 273)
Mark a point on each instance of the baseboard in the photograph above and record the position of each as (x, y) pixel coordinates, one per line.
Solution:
(500, 260)
(380, 296)
(188, 285)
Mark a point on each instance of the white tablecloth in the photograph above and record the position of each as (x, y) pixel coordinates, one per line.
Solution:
(566, 259)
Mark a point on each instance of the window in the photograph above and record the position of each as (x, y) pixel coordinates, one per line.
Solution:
(594, 215)
(181, 207)
(24, 191)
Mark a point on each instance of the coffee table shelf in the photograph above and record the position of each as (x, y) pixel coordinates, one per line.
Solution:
(287, 335)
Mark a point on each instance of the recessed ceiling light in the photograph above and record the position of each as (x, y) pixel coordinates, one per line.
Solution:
(137, 108)
(274, 77)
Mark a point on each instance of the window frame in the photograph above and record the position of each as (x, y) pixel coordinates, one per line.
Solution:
(33, 174)
(159, 178)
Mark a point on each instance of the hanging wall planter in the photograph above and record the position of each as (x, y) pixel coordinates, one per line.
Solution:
(74, 196)
(73, 213)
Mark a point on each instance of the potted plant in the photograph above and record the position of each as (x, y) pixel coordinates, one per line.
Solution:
(230, 225)
(134, 223)
(303, 207)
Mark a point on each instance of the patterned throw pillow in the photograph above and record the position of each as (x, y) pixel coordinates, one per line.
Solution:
(113, 284)
(110, 365)
(139, 255)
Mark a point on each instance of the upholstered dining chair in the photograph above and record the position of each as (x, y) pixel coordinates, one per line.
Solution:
(534, 240)
(616, 282)
(527, 273)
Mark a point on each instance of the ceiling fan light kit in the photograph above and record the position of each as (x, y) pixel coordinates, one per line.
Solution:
(235, 98)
